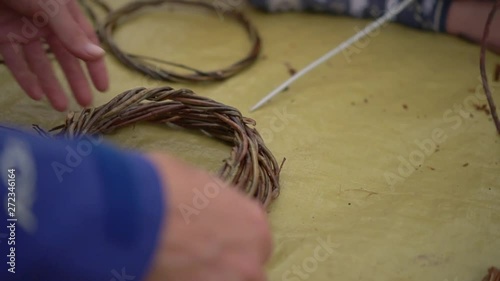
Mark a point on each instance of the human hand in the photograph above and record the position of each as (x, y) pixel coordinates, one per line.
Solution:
(227, 238)
(27, 25)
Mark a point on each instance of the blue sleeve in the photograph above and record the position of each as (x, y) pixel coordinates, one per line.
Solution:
(422, 14)
(83, 210)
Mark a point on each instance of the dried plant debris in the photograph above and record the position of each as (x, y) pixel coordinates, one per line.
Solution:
(290, 69)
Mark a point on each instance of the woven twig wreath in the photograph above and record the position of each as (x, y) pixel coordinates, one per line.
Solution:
(251, 166)
(143, 63)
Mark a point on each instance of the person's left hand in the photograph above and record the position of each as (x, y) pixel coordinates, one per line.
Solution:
(27, 25)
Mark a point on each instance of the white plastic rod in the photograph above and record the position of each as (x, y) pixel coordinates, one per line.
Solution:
(374, 25)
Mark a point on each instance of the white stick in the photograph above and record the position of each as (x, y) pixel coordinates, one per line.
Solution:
(374, 25)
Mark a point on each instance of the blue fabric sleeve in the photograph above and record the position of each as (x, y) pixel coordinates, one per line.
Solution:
(422, 14)
(84, 210)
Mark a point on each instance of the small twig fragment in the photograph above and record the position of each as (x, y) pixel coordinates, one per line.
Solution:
(291, 70)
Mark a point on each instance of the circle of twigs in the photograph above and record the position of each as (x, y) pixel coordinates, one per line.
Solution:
(251, 166)
(144, 64)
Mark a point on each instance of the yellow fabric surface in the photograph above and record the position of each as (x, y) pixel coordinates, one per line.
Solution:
(343, 128)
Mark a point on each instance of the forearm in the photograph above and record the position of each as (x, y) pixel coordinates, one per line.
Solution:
(430, 16)
(468, 18)
(85, 211)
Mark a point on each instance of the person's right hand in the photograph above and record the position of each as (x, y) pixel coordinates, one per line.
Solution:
(226, 236)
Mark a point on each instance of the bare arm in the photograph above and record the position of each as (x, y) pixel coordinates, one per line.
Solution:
(467, 19)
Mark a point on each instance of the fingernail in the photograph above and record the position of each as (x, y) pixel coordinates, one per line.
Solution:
(94, 50)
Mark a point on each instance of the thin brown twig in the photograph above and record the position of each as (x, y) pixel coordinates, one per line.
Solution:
(482, 66)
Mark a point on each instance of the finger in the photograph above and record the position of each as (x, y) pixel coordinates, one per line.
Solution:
(73, 71)
(82, 21)
(42, 68)
(15, 61)
(73, 37)
(99, 75)
(97, 69)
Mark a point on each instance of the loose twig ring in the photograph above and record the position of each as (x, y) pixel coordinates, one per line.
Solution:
(143, 64)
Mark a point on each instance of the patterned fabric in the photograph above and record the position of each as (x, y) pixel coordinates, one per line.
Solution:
(422, 14)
